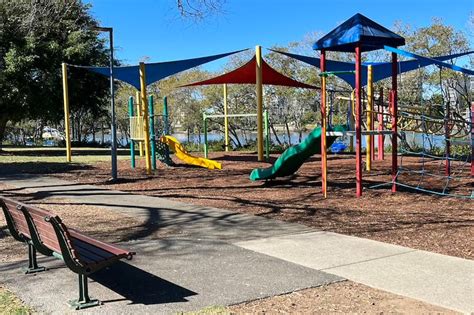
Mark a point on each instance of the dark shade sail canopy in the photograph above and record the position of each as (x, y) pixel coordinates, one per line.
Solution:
(358, 30)
(427, 59)
(381, 70)
(246, 75)
(155, 71)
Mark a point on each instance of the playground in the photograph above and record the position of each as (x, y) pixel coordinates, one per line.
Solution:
(355, 217)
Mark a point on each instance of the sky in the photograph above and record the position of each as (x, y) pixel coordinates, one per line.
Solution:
(154, 30)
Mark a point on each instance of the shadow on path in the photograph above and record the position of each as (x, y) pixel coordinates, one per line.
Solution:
(140, 286)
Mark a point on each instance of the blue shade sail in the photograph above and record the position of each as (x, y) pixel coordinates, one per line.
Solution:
(155, 71)
(431, 60)
(381, 70)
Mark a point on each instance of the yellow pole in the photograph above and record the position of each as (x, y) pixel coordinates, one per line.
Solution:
(370, 109)
(66, 113)
(146, 123)
(259, 90)
(226, 121)
(139, 113)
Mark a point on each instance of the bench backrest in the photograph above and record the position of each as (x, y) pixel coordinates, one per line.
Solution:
(15, 219)
(44, 229)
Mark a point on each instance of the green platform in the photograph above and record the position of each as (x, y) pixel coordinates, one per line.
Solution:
(292, 159)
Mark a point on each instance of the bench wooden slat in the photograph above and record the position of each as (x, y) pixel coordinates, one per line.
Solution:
(90, 252)
(18, 218)
(20, 222)
(86, 247)
(105, 246)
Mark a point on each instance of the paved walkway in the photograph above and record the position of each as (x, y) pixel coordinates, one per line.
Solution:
(225, 258)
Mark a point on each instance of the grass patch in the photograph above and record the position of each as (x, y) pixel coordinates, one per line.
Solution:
(213, 309)
(10, 304)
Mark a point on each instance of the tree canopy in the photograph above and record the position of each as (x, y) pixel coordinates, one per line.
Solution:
(36, 37)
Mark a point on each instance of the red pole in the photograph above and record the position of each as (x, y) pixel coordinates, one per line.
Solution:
(380, 150)
(358, 122)
(322, 66)
(393, 96)
(472, 139)
(447, 135)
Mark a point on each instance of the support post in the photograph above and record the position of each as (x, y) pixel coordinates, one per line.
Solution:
(352, 123)
(393, 96)
(32, 261)
(166, 130)
(370, 112)
(84, 300)
(267, 138)
(447, 134)
(358, 121)
(151, 110)
(259, 92)
(323, 126)
(146, 126)
(472, 139)
(226, 121)
(67, 133)
(113, 123)
(381, 140)
(139, 113)
(132, 143)
(204, 119)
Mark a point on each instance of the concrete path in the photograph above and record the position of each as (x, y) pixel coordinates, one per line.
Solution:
(197, 268)
(225, 258)
(437, 279)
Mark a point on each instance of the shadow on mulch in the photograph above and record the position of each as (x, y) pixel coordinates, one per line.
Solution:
(41, 168)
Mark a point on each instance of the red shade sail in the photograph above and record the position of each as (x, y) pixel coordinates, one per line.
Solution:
(246, 75)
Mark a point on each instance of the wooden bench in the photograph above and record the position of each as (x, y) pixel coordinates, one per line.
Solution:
(18, 228)
(82, 254)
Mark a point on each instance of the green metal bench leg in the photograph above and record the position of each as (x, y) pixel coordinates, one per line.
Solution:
(32, 262)
(84, 300)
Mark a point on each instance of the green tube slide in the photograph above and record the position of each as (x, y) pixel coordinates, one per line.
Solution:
(292, 159)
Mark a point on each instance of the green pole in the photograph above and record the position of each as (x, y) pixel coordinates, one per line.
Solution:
(166, 130)
(204, 118)
(267, 138)
(165, 116)
(151, 111)
(132, 143)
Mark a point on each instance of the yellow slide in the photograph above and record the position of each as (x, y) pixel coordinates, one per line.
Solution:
(184, 156)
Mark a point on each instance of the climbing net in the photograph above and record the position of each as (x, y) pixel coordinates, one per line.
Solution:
(437, 158)
(162, 128)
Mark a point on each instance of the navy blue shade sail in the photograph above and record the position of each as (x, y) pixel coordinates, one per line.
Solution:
(434, 61)
(381, 70)
(155, 71)
(358, 31)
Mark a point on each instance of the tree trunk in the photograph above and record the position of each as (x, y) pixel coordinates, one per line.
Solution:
(275, 134)
(233, 132)
(93, 132)
(288, 133)
(3, 125)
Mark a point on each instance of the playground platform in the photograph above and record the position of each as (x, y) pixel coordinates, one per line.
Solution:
(223, 258)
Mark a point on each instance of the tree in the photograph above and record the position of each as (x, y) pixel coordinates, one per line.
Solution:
(199, 9)
(36, 37)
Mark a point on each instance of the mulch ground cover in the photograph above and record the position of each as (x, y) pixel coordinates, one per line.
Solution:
(409, 218)
(428, 222)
